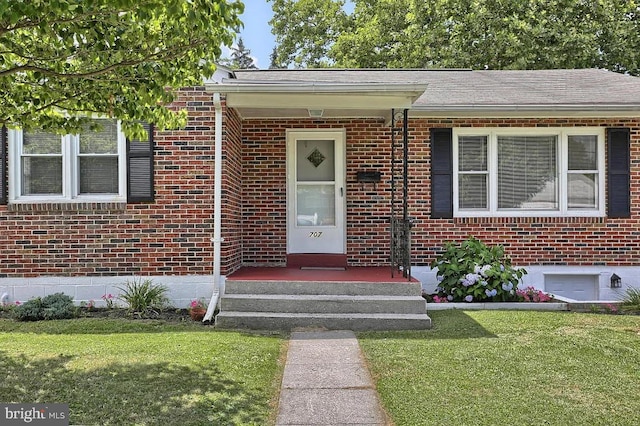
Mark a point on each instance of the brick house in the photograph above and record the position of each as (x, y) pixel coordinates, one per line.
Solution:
(546, 163)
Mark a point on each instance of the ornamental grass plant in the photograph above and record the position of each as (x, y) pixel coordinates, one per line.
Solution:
(143, 297)
(631, 300)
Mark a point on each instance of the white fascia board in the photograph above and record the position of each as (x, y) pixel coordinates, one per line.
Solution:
(318, 87)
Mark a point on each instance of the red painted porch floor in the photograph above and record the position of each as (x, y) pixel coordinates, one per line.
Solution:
(362, 274)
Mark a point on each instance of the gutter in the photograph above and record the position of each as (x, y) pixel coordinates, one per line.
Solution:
(527, 108)
(217, 208)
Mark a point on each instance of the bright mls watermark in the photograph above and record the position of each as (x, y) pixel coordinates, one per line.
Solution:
(34, 414)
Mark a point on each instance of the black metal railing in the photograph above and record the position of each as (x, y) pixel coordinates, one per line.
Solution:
(400, 223)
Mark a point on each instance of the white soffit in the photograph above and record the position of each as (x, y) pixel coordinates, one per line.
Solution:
(340, 96)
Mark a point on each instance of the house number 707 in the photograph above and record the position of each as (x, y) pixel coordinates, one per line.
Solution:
(315, 234)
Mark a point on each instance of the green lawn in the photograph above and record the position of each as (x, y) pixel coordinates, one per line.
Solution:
(122, 372)
(510, 368)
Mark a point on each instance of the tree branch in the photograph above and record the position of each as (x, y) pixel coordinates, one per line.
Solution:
(162, 55)
(93, 15)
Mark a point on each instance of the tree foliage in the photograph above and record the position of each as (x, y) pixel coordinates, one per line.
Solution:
(494, 34)
(306, 30)
(273, 60)
(241, 57)
(62, 61)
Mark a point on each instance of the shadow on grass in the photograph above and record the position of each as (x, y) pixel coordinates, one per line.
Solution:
(145, 394)
(450, 324)
(118, 325)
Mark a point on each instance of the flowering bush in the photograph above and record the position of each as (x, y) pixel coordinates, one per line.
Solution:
(474, 272)
(611, 308)
(88, 305)
(108, 299)
(532, 294)
(197, 304)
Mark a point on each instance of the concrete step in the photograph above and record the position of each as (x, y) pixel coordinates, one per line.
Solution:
(346, 288)
(330, 321)
(286, 303)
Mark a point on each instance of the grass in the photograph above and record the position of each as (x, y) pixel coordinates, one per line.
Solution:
(115, 371)
(510, 368)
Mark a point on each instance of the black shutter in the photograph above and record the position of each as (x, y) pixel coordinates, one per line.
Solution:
(618, 172)
(441, 173)
(3, 165)
(140, 168)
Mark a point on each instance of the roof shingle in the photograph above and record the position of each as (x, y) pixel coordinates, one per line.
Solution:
(451, 89)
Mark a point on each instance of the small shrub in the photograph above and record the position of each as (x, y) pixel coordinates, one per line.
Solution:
(631, 300)
(143, 297)
(58, 306)
(52, 307)
(532, 294)
(474, 272)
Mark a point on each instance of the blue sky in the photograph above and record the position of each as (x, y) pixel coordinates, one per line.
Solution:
(257, 35)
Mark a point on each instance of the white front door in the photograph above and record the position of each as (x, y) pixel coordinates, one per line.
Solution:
(315, 191)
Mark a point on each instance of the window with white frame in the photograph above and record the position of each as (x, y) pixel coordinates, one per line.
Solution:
(85, 167)
(529, 172)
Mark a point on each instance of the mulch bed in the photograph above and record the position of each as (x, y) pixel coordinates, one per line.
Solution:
(167, 315)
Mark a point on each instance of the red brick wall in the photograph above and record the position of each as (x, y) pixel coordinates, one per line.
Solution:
(554, 241)
(530, 241)
(170, 236)
(264, 189)
(231, 255)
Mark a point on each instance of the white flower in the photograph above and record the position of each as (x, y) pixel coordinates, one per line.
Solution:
(484, 269)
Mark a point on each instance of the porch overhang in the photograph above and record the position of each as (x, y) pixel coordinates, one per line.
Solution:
(335, 100)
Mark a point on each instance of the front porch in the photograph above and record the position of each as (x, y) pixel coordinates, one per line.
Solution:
(373, 274)
(354, 298)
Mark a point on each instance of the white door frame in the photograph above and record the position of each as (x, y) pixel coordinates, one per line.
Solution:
(310, 239)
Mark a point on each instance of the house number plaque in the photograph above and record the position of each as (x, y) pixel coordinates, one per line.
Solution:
(316, 234)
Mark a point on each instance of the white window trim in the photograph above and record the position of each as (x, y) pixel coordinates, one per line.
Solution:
(562, 134)
(70, 172)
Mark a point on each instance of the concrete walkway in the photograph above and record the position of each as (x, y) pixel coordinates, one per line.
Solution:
(327, 383)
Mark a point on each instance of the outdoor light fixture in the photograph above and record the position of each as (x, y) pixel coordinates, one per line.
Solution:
(315, 113)
(616, 281)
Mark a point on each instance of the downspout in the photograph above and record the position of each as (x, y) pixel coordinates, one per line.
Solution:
(217, 207)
